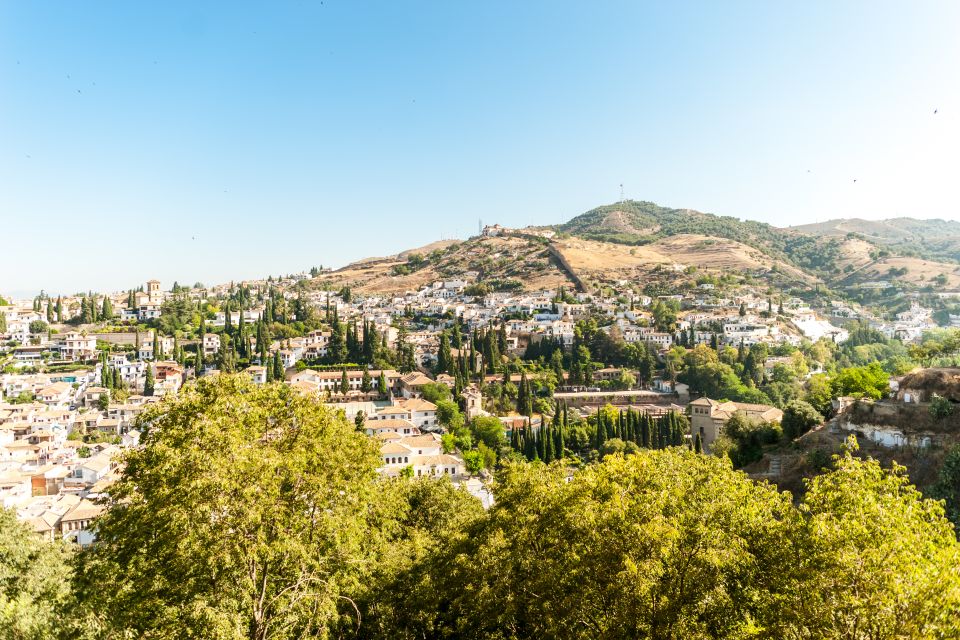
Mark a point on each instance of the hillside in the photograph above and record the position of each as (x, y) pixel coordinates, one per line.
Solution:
(638, 241)
(634, 222)
(932, 239)
(504, 263)
(609, 262)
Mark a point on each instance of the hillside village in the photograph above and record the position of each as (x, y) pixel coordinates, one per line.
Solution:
(352, 321)
(446, 377)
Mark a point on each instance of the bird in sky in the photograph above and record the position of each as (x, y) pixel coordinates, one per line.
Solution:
(935, 111)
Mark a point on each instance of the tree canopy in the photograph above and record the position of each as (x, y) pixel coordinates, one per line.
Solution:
(34, 582)
(249, 511)
(255, 512)
(672, 544)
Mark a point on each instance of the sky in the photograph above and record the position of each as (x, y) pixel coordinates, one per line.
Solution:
(220, 141)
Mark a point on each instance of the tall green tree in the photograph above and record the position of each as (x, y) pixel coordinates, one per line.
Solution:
(224, 525)
(35, 579)
(148, 381)
(382, 384)
(444, 361)
(671, 544)
(279, 373)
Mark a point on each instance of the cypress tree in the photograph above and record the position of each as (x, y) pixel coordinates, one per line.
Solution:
(366, 383)
(601, 435)
(59, 308)
(456, 336)
(472, 363)
(522, 395)
(541, 451)
(225, 355)
(268, 310)
(443, 354)
(242, 335)
(227, 319)
(382, 384)
(529, 444)
(278, 371)
(202, 332)
(698, 444)
(491, 353)
(337, 351)
(107, 311)
(148, 381)
(559, 444)
(344, 382)
(156, 345)
(261, 343)
(547, 433)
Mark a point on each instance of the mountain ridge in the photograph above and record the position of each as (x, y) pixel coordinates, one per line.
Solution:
(634, 240)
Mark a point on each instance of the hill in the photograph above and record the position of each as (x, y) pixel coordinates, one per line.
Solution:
(932, 239)
(608, 262)
(642, 241)
(502, 263)
(634, 222)
(519, 261)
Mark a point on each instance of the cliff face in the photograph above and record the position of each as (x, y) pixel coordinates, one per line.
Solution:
(898, 423)
(890, 431)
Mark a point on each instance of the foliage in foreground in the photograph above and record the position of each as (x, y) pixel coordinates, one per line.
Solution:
(253, 512)
(34, 589)
(671, 544)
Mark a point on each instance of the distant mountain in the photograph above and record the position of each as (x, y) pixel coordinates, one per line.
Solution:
(933, 239)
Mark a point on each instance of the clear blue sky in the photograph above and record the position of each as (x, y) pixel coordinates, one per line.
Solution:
(218, 141)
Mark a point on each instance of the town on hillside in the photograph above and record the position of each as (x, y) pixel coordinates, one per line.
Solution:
(447, 379)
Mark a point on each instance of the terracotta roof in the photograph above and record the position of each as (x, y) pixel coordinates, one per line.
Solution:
(392, 424)
(416, 404)
(394, 447)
